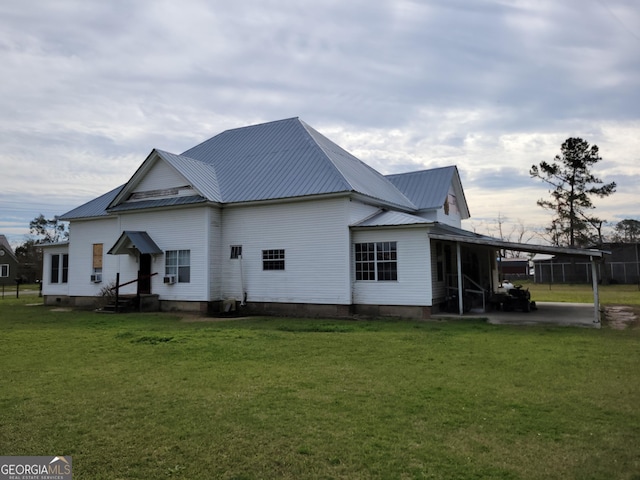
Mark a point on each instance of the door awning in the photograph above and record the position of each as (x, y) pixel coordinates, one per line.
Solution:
(131, 242)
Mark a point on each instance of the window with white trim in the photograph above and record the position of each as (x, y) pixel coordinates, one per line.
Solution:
(273, 260)
(4, 270)
(97, 262)
(59, 271)
(178, 264)
(376, 261)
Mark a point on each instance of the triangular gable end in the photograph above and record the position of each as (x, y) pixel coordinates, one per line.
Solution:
(431, 189)
(163, 175)
(456, 185)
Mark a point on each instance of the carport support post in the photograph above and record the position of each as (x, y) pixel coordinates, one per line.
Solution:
(459, 261)
(596, 296)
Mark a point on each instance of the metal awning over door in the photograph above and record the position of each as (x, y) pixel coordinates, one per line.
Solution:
(132, 242)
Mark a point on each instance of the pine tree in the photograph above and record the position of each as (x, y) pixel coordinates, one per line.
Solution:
(573, 187)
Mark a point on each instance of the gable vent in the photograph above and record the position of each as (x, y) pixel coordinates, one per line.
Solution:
(162, 192)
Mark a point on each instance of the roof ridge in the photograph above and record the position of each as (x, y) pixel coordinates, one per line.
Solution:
(309, 129)
(413, 172)
(236, 129)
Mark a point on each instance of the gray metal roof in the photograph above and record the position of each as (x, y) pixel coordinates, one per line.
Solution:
(286, 159)
(95, 208)
(427, 189)
(278, 160)
(453, 234)
(201, 175)
(392, 218)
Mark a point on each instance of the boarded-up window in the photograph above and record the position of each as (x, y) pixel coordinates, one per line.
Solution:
(97, 255)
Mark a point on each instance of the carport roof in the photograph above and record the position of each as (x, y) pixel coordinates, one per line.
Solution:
(452, 234)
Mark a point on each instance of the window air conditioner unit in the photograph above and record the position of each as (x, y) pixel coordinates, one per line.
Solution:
(97, 278)
(170, 279)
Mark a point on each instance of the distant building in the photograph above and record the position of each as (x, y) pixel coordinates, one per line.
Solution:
(8, 263)
(622, 266)
(513, 268)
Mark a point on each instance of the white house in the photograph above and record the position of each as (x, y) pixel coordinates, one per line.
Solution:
(282, 220)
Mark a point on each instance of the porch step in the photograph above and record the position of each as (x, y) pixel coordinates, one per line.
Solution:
(125, 304)
(132, 303)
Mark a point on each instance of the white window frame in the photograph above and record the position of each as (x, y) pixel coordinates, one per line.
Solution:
(376, 261)
(181, 268)
(273, 260)
(62, 270)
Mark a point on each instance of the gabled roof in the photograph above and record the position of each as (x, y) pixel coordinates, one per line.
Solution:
(275, 161)
(6, 247)
(428, 189)
(200, 175)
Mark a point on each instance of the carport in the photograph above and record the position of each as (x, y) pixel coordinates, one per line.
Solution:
(460, 237)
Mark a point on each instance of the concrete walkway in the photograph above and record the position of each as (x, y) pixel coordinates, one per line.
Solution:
(548, 313)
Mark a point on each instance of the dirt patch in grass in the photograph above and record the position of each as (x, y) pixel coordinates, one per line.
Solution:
(620, 317)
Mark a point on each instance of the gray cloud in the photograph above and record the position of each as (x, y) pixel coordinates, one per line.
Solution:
(90, 88)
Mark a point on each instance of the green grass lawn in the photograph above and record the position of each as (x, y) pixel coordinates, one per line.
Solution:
(141, 396)
(583, 293)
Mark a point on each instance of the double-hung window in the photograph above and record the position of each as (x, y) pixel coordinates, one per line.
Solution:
(376, 261)
(178, 264)
(4, 270)
(273, 260)
(59, 272)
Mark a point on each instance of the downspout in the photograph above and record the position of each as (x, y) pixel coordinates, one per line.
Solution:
(459, 261)
(243, 302)
(596, 296)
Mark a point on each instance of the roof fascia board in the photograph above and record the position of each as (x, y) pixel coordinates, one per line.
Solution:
(108, 216)
(376, 202)
(520, 247)
(390, 227)
(457, 186)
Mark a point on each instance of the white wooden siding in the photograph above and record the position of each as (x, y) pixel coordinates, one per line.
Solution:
(82, 236)
(215, 247)
(49, 288)
(359, 211)
(161, 176)
(315, 237)
(177, 229)
(413, 286)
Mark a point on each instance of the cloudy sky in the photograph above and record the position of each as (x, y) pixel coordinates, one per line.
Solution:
(88, 88)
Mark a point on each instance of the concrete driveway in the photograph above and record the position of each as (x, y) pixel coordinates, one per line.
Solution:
(548, 313)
